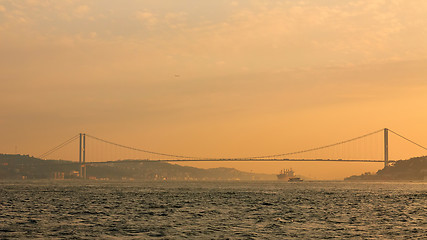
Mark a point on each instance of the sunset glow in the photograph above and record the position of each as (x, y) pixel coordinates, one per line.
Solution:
(214, 78)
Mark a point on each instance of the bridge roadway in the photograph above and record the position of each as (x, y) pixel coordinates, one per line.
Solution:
(261, 160)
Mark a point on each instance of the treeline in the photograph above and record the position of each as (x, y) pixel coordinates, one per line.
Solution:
(412, 169)
(27, 167)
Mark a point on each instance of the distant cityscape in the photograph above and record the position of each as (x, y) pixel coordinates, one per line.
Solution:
(25, 167)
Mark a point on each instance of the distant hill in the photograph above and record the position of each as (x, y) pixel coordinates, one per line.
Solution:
(412, 169)
(27, 167)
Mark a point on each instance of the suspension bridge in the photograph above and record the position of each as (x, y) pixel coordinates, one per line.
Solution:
(336, 152)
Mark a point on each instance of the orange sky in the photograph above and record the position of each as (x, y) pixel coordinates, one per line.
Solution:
(214, 78)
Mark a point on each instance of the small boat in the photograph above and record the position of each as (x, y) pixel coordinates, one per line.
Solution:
(295, 179)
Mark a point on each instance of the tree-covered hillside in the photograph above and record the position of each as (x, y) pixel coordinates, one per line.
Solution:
(412, 169)
(26, 167)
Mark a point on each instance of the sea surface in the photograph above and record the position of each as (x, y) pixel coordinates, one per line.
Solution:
(212, 210)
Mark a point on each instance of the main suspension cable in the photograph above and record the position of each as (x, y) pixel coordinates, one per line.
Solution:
(318, 148)
(409, 140)
(140, 150)
(58, 147)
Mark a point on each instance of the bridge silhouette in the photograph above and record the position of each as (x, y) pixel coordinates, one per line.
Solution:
(82, 138)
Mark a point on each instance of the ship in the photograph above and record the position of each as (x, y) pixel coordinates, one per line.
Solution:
(286, 174)
(295, 179)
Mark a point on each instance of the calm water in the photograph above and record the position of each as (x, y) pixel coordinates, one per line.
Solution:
(213, 210)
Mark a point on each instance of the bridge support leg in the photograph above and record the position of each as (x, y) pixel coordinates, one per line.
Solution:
(82, 156)
(385, 147)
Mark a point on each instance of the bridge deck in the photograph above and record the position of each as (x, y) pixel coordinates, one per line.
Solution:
(268, 160)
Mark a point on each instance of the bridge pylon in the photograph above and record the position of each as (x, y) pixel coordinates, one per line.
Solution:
(385, 147)
(82, 155)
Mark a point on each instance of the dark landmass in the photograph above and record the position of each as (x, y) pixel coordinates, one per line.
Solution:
(414, 169)
(27, 167)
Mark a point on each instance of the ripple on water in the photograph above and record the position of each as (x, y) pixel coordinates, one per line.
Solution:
(243, 210)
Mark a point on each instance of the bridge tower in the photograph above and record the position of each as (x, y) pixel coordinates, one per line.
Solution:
(385, 147)
(82, 155)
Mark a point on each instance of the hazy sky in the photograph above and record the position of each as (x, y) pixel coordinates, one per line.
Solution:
(213, 78)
